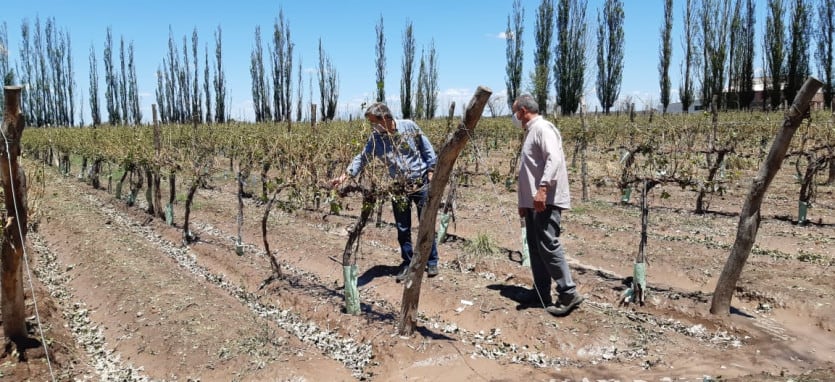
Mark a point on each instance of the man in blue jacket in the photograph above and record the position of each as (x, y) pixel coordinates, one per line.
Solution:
(411, 161)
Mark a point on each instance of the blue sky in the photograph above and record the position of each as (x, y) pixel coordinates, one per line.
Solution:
(467, 36)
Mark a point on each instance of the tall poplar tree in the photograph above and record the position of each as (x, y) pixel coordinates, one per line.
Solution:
(715, 20)
(133, 89)
(95, 112)
(282, 69)
(514, 52)
(159, 94)
(570, 57)
(544, 34)
(686, 92)
(746, 55)
(797, 63)
(824, 52)
(260, 101)
(380, 61)
(774, 48)
(328, 85)
(734, 36)
(299, 93)
(406, 71)
(4, 54)
(665, 55)
(431, 87)
(196, 103)
(420, 98)
(111, 82)
(219, 80)
(207, 92)
(610, 40)
(123, 83)
(5, 72)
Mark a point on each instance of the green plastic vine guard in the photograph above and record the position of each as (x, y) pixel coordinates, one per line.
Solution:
(526, 255)
(802, 209)
(639, 279)
(627, 193)
(169, 214)
(352, 296)
(441, 236)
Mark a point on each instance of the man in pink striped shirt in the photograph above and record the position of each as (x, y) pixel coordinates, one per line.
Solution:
(543, 195)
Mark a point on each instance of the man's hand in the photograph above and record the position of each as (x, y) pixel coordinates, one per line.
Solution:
(335, 182)
(539, 199)
(522, 212)
(429, 175)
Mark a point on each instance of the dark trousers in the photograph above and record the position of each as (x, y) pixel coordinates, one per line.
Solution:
(402, 207)
(547, 255)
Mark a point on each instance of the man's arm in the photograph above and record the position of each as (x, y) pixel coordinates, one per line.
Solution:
(551, 145)
(357, 164)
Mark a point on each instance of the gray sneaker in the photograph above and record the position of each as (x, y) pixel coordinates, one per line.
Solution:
(431, 270)
(562, 310)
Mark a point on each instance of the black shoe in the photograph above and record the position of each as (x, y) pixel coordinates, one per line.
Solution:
(530, 297)
(431, 270)
(563, 309)
(402, 274)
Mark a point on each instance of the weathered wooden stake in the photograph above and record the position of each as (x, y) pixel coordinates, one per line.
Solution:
(426, 232)
(749, 217)
(157, 177)
(14, 224)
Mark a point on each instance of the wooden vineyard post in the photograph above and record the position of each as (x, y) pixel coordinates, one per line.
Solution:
(157, 202)
(584, 144)
(14, 224)
(426, 233)
(749, 218)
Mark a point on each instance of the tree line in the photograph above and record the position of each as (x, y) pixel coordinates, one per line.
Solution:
(718, 44)
(191, 88)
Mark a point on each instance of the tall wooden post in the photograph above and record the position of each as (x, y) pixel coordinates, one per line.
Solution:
(159, 210)
(426, 231)
(14, 224)
(749, 217)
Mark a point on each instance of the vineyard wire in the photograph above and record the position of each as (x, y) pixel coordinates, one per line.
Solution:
(26, 262)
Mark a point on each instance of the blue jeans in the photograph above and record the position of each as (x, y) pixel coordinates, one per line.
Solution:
(402, 207)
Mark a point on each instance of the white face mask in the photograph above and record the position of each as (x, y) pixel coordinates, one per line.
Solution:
(517, 122)
(379, 128)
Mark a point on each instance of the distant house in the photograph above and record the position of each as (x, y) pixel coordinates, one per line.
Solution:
(760, 96)
(756, 103)
(676, 107)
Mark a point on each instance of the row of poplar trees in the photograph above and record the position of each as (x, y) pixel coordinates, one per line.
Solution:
(272, 87)
(718, 43)
(45, 68)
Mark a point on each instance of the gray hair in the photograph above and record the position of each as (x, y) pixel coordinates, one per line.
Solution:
(379, 110)
(528, 102)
